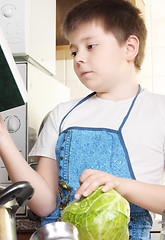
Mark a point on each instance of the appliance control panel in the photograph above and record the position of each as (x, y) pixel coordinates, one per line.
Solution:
(8, 10)
(16, 123)
(30, 29)
(12, 15)
(13, 123)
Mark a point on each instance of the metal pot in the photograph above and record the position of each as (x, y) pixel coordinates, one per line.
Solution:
(56, 231)
(11, 198)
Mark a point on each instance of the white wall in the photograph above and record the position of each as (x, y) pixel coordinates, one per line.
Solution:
(152, 75)
(66, 75)
(45, 92)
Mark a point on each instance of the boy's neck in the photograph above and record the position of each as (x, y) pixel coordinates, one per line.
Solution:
(120, 92)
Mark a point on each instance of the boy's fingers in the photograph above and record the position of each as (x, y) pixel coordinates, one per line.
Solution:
(91, 179)
(86, 174)
(108, 186)
(85, 191)
(84, 185)
(92, 182)
(90, 185)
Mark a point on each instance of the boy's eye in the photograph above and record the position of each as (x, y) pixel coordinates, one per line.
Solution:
(91, 46)
(74, 54)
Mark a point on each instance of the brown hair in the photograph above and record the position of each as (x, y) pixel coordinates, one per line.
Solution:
(117, 16)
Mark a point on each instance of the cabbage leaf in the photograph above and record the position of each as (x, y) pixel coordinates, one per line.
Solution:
(100, 216)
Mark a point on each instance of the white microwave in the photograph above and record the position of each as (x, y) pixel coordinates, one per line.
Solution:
(30, 29)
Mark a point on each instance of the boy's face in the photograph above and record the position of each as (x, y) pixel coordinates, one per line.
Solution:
(99, 61)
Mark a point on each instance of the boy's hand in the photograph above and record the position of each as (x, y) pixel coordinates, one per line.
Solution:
(91, 179)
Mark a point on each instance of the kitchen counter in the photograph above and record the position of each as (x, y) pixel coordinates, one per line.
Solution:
(27, 225)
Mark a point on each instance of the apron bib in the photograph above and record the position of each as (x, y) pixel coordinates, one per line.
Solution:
(80, 148)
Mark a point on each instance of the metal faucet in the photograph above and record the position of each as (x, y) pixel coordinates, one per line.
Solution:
(162, 233)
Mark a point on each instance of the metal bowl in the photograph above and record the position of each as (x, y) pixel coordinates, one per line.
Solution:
(56, 231)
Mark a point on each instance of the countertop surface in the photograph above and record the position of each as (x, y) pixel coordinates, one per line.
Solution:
(27, 225)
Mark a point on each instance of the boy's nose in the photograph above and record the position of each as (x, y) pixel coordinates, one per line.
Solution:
(80, 58)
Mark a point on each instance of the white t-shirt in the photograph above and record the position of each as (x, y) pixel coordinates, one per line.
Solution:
(143, 132)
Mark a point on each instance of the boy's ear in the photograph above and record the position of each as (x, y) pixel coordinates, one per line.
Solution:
(132, 48)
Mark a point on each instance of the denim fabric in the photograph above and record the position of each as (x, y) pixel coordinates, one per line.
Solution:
(140, 226)
(101, 149)
(140, 223)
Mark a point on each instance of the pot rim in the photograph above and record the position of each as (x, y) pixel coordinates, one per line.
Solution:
(72, 230)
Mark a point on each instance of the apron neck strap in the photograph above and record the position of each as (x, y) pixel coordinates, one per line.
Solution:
(90, 95)
(80, 102)
(127, 115)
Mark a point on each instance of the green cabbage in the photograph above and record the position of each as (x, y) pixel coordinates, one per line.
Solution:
(100, 216)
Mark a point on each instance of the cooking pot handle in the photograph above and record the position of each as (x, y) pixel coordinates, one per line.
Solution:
(21, 191)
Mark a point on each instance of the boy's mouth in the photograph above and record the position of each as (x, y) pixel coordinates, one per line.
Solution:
(84, 74)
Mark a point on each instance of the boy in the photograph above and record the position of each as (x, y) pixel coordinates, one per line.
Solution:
(113, 137)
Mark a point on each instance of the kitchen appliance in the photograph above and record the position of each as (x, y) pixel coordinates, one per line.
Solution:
(29, 28)
(56, 231)
(11, 198)
(16, 123)
(23, 122)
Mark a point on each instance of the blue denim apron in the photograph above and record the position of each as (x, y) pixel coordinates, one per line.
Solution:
(80, 148)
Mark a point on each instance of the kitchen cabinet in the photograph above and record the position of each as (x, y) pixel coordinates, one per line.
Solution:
(140, 4)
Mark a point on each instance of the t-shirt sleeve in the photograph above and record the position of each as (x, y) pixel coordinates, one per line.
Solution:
(46, 143)
(47, 140)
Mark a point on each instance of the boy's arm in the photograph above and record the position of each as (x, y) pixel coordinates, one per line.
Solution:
(44, 181)
(148, 196)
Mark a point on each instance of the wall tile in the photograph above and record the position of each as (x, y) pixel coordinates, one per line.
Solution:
(157, 9)
(146, 82)
(159, 84)
(147, 64)
(147, 12)
(77, 89)
(158, 61)
(60, 71)
(158, 32)
(70, 71)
